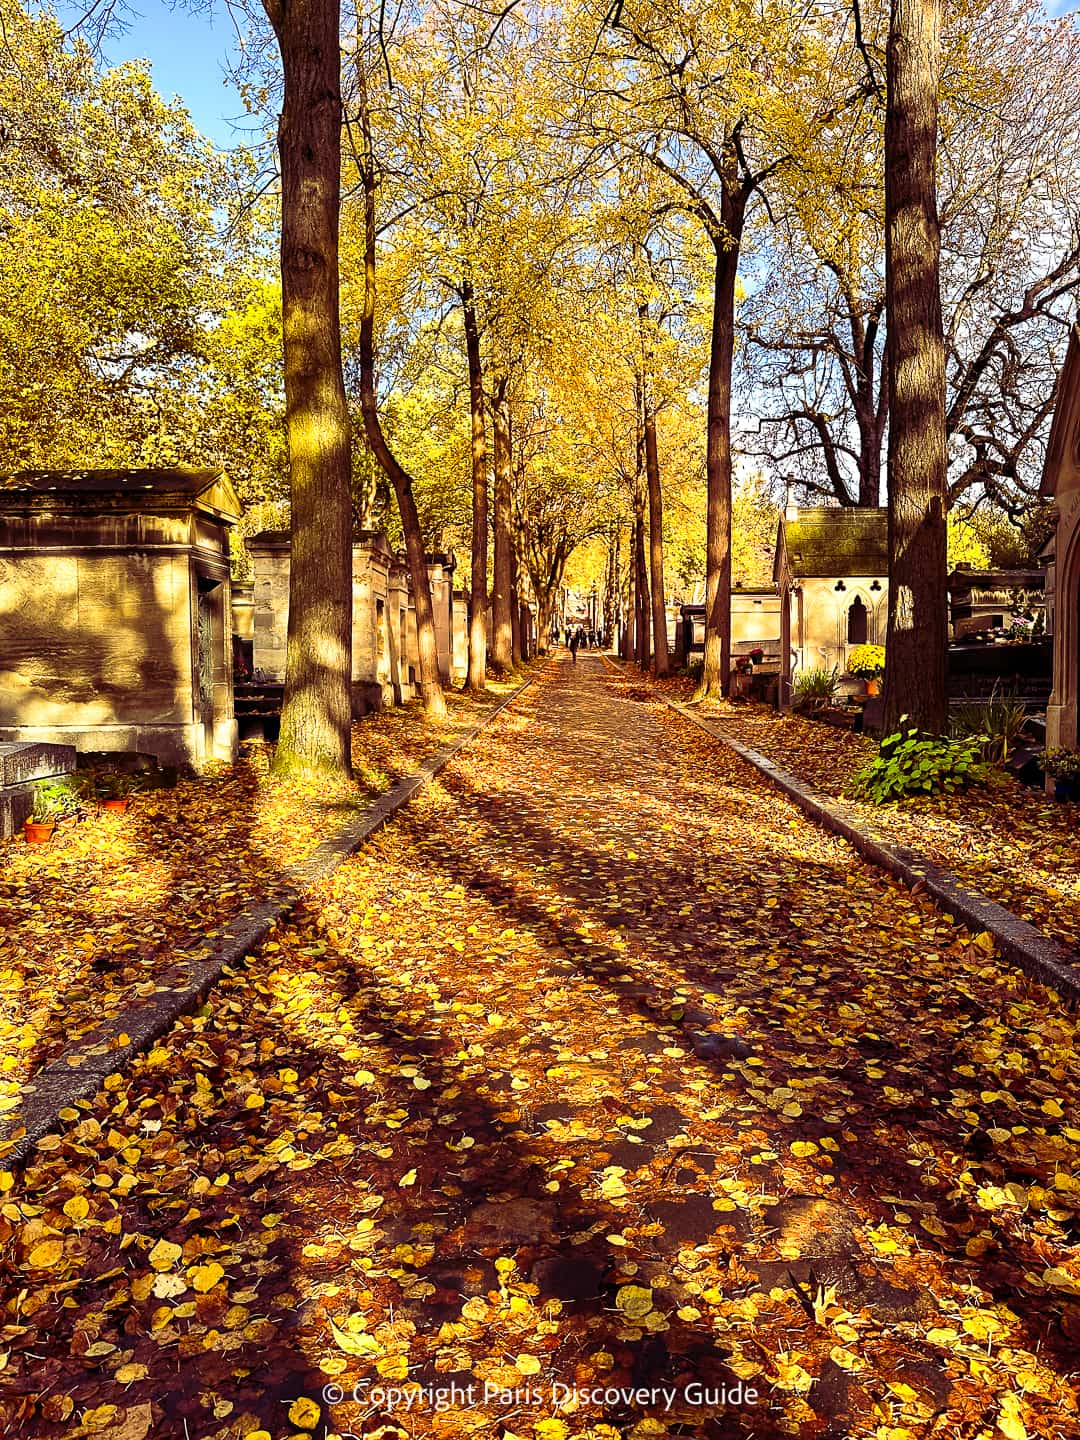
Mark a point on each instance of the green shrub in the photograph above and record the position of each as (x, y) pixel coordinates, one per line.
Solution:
(997, 724)
(814, 689)
(912, 763)
(55, 800)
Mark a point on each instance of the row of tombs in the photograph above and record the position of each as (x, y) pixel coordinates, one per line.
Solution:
(120, 626)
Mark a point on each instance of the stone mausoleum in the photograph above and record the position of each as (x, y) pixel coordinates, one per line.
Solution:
(1061, 482)
(832, 571)
(115, 629)
(384, 644)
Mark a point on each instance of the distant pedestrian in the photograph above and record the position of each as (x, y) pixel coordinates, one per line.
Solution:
(575, 641)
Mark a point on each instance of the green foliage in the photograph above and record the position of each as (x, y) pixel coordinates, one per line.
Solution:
(996, 723)
(55, 800)
(867, 661)
(1061, 764)
(814, 689)
(910, 762)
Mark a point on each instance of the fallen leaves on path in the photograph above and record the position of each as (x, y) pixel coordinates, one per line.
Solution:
(88, 921)
(1012, 843)
(600, 1075)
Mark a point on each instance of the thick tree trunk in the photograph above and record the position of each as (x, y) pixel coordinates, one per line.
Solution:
(656, 539)
(717, 668)
(316, 716)
(915, 652)
(431, 690)
(545, 606)
(478, 591)
(502, 636)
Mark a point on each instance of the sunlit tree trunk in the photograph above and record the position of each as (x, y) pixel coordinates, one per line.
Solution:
(431, 690)
(916, 647)
(502, 638)
(478, 592)
(717, 667)
(316, 716)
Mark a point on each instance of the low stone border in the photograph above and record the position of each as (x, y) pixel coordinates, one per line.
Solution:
(78, 1073)
(1020, 942)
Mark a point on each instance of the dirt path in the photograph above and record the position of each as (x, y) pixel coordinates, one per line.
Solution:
(599, 1091)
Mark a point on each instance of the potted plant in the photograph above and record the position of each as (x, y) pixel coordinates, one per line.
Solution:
(54, 800)
(114, 791)
(867, 662)
(1064, 768)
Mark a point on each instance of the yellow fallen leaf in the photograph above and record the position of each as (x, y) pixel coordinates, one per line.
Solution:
(393, 1367)
(77, 1208)
(634, 1301)
(49, 1252)
(205, 1277)
(409, 1178)
(164, 1255)
(354, 1344)
(304, 1413)
(1009, 1420)
(528, 1365)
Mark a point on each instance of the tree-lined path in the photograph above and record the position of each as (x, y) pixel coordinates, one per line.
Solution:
(601, 1068)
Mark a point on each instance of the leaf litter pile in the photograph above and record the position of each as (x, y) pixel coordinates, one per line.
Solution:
(88, 921)
(602, 1095)
(1012, 843)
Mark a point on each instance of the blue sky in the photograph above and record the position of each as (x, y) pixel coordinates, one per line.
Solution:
(189, 53)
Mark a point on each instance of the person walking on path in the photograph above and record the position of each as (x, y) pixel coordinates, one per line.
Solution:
(575, 641)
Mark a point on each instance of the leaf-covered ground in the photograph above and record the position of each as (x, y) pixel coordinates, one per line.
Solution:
(112, 900)
(600, 1084)
(1013, 843)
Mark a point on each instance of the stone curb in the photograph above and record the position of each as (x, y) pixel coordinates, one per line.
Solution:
(1020, 942)
(78, 1072)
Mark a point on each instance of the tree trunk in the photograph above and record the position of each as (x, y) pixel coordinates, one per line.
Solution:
(544, 610)
(628, 648)
(656, 538)
(717, 668)
(316, 716)
(915, 652)
(478, 593)
(515, 606)
(502, 635)
(641, 578)
(431, 690)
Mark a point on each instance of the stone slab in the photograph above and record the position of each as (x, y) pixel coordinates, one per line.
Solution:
(21, 761)
(77, 1073)
(1019, 942)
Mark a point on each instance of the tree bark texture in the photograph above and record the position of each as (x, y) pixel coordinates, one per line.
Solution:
(717, 667)
(431, 690)
(915, 652)
(656, 537)
(478, 591)
(502, 636)
(316, 716)
(642, 618)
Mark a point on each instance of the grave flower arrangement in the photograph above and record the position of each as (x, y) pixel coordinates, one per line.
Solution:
(867, 662)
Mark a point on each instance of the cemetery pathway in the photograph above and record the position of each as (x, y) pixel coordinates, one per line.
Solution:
(602, 1095)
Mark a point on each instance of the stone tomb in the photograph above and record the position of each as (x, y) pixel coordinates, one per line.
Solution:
(21, 767)
(831, 569)
(1061, 481)
(115, 631)
(386, 666)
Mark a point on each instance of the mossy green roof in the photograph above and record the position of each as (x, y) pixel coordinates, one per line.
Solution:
(834, 540)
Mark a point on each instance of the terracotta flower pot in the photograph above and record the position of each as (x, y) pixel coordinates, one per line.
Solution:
(873, 686)
(38, 832)
(116, 806)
